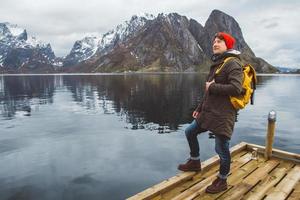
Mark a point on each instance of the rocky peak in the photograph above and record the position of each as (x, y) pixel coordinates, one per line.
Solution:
(161, 44)
(12, 31)
(89, 46)
(4, 31)
(173, 42)
(220, 21)
(17, 50)
(197, 30)
(126, 29)
(83, 50)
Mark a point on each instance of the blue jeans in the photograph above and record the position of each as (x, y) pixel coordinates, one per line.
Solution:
(221, 147)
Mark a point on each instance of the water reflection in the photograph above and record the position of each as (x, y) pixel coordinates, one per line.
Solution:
(19, 93)
(160, 102)
(165, 100)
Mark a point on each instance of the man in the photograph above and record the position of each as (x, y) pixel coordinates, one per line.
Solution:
(215, 113)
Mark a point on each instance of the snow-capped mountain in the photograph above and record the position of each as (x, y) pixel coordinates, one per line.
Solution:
(125, 30)
(18, 50)
(90, 45)
(167, 42)
(83, 50)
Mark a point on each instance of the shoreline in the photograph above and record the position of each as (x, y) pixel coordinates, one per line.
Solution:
(130, 73)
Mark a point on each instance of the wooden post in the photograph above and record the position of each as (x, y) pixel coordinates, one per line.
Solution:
(270, 134)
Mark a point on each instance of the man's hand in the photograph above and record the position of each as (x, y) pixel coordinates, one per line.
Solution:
(195, 114)
(208, 84)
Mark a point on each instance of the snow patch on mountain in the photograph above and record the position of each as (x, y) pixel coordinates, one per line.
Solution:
(122, 31)
(17, 49)
(88, 46)
(107, 39)
(34, 42)
(14, 29)
(1, 61)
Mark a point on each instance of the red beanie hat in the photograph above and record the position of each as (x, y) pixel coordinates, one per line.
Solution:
(229, 40)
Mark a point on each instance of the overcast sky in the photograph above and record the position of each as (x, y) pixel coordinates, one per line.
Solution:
(270, 27)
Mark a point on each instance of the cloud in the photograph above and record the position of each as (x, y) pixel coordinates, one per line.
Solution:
(271, 31)
(266, 25)
(271, 25)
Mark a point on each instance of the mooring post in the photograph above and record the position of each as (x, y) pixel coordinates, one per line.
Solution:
(270, 134)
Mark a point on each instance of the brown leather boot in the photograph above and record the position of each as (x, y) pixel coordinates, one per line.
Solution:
(217, 186)
(190, 165)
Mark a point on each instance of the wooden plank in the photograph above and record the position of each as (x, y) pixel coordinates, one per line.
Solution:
(235, 161)
(239, 171)
(275, 152)
(209, 169)
(201, 176)
(250, 181)
(156, 189)
(238, 148)
(237, 176)
(196, 189)
(156, 198)
(189, 183)
(284, 188)
(174, 181)
(296, 193)
(201, 186)
(272, 179)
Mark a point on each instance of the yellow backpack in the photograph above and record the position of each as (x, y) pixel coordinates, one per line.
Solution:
(248, 85)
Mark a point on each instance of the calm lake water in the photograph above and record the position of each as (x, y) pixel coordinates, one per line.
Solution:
(110, 136)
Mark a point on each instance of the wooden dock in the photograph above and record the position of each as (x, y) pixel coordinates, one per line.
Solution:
(252, 177)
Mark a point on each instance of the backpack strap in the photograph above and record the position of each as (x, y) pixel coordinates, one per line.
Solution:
(253, 83)
(221, 67)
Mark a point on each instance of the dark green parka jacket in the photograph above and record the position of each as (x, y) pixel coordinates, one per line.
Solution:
(216, 111)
